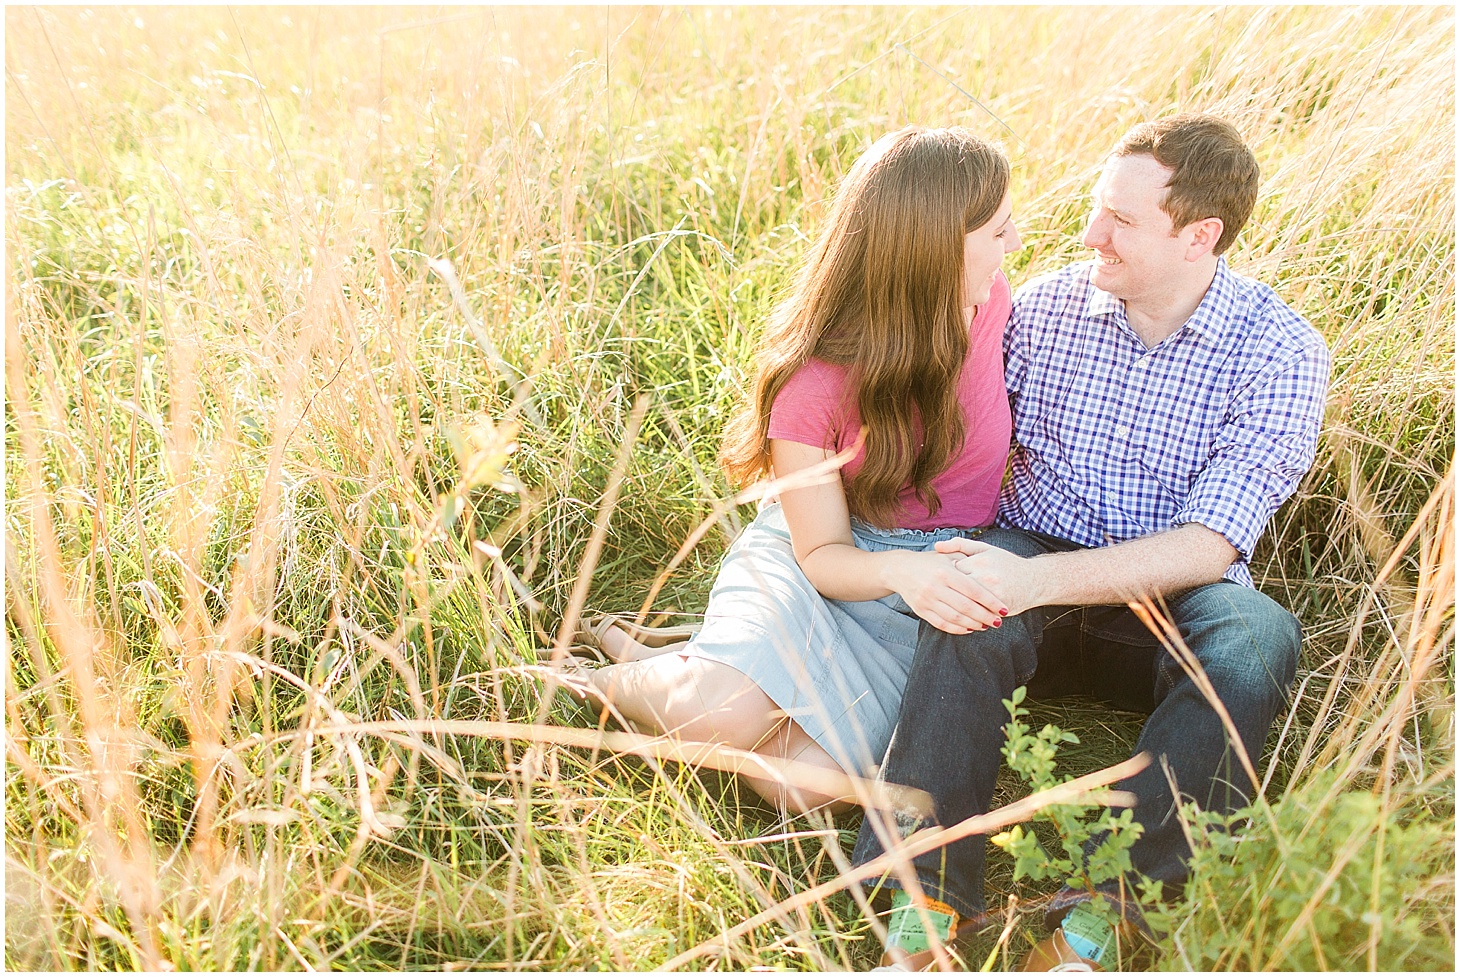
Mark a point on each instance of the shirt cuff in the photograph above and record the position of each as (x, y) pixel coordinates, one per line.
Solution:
(1231, 502)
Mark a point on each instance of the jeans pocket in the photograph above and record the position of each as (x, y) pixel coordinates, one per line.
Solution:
(1120, 625)
(1168, 673)
(902, 626)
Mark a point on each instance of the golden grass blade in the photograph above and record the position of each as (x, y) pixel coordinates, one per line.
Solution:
(109, 791)
(711, 755)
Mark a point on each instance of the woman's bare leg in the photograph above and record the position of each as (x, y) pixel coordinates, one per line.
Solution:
(705, 701)
(692, 697)
(791, 742)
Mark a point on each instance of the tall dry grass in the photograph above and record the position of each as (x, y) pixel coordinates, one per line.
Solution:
(278, 500)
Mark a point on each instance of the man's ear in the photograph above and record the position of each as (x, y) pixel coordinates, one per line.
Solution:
(1203, 236)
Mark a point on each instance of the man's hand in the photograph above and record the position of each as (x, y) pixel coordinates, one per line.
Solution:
(1160, 564)
(939, 594)
(1015, 579)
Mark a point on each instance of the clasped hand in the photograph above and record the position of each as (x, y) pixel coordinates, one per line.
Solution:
(1016, 579)
(942, 593)
(966, 585)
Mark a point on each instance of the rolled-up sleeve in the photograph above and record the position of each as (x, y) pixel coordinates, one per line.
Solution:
(1262, 452)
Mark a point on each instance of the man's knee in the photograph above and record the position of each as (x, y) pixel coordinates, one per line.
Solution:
(1241, 636)
(948, 664)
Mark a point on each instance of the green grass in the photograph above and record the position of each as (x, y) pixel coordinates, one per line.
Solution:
(233, 387)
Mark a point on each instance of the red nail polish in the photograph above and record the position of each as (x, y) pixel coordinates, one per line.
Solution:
(1003, 612)
(997, 624)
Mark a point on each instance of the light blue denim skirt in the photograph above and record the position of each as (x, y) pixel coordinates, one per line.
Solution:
(836, 667)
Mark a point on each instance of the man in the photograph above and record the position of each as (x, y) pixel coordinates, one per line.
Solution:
(1164, 408)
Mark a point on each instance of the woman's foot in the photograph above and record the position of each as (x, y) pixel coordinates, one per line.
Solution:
(621, 639)
(618, 646)
(577, 677)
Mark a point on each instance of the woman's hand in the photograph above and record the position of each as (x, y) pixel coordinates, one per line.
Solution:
(821, 536)
(940, 593)
(1016, 577)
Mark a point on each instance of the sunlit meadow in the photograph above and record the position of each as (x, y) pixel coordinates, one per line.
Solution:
(352, 354)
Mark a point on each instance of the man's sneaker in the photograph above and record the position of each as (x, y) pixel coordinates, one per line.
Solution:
(897, 960)
(1054, 954)
(1084, 941)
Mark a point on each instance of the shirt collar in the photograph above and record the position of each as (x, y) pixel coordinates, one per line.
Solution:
(1215, 314)
(1101, 302)
(1211, 318)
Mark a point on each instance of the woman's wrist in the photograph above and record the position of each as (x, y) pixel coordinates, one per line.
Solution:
(891, 567)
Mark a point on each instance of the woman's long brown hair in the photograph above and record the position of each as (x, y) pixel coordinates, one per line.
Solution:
(882, 295)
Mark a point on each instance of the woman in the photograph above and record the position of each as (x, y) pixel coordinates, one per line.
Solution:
(896, 323)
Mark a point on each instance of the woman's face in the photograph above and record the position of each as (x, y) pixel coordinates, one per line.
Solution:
(983, 251)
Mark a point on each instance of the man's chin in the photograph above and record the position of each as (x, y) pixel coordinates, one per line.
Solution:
(1106, 278)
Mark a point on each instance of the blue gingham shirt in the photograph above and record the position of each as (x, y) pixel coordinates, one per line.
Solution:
(1214, 425)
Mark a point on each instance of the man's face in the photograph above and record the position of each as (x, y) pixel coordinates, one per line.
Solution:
(1137, 252)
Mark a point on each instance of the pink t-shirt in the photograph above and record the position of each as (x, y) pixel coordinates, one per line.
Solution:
(816, 407)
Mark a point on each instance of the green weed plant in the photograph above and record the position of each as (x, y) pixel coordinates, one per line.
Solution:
(1328, 879)
(1077, 863)
(1091, 843)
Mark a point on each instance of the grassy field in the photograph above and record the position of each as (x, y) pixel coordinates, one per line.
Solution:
(276, 497)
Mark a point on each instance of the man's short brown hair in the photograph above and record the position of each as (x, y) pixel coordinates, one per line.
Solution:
(1213, 173)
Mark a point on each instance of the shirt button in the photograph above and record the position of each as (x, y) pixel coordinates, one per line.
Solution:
(1122, 430)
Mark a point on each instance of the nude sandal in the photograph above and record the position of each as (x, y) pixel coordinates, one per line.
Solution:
(595, 626)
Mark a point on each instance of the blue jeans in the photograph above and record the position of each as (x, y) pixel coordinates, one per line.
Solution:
(950, 727)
